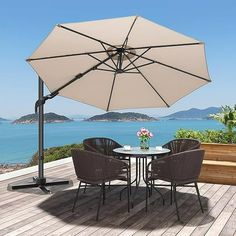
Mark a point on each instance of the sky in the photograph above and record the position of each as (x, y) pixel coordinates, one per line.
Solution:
(25, 23)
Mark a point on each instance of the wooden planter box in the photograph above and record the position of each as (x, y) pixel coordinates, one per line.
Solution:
(219, 164)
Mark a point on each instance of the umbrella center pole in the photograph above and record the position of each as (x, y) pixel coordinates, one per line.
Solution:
(120, 58)
(120, 55)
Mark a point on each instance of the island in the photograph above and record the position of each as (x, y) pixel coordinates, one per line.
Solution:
(193, 113)
(117, 116)
(2, 119)
(48, 118)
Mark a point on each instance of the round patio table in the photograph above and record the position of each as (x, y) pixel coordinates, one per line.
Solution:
(140, 154)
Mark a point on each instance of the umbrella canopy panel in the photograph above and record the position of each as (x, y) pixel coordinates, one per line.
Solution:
(120, 63)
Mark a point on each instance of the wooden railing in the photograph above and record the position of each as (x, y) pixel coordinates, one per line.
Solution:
(219, 165)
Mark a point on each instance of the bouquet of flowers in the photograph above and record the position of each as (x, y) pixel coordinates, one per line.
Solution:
(144, 136)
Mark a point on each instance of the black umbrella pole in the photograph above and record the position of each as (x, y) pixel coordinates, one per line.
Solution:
(41, 180)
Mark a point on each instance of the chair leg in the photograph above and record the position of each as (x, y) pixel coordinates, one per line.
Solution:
(99, 202)
(128, 177)
(121, 191)
(171, 190)
(150, 189)
(152, 184)
(198, 195)
(128, 191)
(175, 199)
(147, 190)
(85, 187)
(147, 195)
(76, 197)
(163, 200)
(130, 174)
(103, 193)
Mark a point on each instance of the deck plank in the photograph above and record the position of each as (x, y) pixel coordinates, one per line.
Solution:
(223, 218)
(230, 226)
(212, 215)
(214, 197)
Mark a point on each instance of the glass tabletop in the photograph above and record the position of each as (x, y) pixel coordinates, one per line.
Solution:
(137, 151)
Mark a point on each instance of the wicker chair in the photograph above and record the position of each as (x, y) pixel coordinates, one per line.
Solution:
(179, 169)
(180, 145)
(104, 146)
(97, 169)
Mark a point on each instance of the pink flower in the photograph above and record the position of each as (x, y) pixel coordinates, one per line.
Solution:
(144, 133)
(143, 130)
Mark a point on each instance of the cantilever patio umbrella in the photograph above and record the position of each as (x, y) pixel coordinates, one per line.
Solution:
(119, 63)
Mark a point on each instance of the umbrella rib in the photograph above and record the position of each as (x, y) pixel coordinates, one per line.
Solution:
(108, 54)
(149, 63)
(171, 67)
(144, 77)
(112, 87)
(168, 45)
(124, 45)
(137, 57)
(127, 37)
(122, 55)
(68, 55)
(113, 83)
(103, 63)
(85, 35)
(131, 72)
(105, 70)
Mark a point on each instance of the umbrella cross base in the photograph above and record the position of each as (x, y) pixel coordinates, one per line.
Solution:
(35, 182)
(39, 181)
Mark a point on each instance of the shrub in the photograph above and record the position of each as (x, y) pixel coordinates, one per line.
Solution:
(206, 136)
(55, 153)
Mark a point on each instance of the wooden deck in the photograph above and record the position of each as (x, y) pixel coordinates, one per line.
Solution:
(30, 212)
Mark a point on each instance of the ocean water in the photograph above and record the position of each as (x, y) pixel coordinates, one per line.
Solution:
(18, 142)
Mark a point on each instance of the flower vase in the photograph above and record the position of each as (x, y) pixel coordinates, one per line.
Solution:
(144, 144)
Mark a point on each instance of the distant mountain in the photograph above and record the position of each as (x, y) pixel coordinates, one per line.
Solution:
(116, 116)
(2, 119)
(48, 118)
(194, 113)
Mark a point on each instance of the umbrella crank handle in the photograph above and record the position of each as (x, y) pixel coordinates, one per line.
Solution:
(42, 102)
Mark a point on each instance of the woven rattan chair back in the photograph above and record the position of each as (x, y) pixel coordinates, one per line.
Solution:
(181, 145)
(101, 145)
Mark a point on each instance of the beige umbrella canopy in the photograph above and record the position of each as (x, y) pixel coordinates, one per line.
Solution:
(120, 63)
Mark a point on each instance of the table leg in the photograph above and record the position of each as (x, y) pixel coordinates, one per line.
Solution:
(138, 177)
(145, 176)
